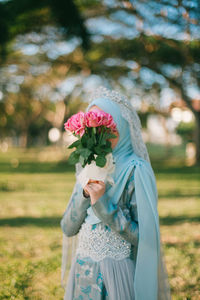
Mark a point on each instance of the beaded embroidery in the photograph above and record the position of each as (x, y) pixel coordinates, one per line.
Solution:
(99, 241)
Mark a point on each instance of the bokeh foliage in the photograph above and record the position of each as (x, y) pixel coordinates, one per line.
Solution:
(126, 50)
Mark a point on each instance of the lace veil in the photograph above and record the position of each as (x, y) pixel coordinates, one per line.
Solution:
(139, 148)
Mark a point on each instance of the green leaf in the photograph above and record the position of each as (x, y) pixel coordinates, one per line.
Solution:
(73, 158)
(108, 144)
(81, 160)
(111, 136)
(100, 161)
(98, 150)
(75, 144)
(80, 146)
(84, 140)
(107, 149)
(103, 142)
(90, 159)
(85, 152)
(90, 143)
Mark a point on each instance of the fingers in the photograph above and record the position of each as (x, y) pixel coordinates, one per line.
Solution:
(95, 181)
(94, 185)
(92, 180)
(101, 183)
(94, 188)
(90, 186)
(86, 190)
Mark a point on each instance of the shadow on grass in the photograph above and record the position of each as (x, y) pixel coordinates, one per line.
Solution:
(55, 221)
(162, 168)
(174, 220)
(182, 246)
(177, 194)
(31, 221)
(64, 166)
(37, 167)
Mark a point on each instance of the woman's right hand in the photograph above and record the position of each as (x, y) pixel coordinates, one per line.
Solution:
(85, 188)
(95, 189)
(86, 194)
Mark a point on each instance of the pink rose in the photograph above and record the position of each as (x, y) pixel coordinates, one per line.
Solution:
(96, 118)
(76, 123)
(109, 122)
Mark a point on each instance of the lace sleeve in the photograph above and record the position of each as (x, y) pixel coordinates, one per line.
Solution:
(76, 212)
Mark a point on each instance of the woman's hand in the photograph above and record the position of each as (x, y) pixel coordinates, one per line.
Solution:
(95, 189)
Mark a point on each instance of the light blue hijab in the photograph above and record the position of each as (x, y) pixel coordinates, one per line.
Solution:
(148, 252)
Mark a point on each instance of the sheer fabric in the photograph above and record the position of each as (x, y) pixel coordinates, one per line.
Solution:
(156, 282)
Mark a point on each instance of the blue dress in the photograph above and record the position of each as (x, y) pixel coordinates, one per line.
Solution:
(104, 264)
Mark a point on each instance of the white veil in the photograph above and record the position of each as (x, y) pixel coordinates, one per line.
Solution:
(139, 147)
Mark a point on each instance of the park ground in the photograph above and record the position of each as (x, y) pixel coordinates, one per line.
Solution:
(35, 186)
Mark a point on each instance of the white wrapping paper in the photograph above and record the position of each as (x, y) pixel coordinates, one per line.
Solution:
(94, 172)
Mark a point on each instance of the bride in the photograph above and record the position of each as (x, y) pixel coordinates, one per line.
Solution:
(115, 230)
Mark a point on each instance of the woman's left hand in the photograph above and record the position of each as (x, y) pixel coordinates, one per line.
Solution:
(95, 189)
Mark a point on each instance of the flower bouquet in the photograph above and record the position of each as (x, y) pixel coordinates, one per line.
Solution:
(93, 130)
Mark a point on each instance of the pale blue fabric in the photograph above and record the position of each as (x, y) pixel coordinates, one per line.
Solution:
(146, 272)
(122, 153)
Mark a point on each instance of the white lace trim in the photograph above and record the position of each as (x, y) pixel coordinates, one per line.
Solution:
(100, 241)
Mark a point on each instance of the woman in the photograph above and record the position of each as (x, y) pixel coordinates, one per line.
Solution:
(119, 251)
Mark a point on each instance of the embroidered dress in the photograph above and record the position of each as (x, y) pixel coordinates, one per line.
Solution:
(119, 253)
(103, 267)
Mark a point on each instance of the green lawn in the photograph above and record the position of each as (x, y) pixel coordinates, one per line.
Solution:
(35, 186)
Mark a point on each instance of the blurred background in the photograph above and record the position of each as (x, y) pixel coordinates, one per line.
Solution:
(53, 54)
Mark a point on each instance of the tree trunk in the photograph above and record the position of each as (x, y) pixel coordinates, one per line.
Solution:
(23, 139)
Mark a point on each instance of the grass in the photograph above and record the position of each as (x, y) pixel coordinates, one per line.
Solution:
(35, 186)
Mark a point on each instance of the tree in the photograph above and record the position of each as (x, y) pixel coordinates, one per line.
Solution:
(21, 16)
(169, 59)
(143, 46)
